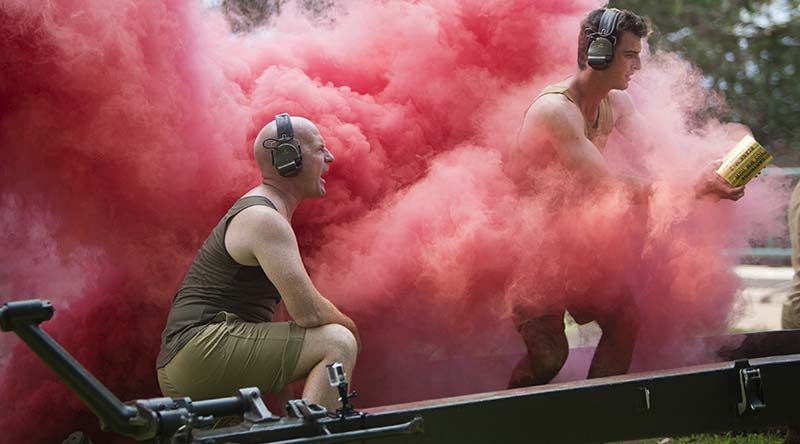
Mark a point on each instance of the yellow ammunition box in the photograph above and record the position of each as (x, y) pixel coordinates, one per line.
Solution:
(744, 162)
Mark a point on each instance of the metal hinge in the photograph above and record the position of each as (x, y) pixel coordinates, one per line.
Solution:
(752, 392)
(644, 400)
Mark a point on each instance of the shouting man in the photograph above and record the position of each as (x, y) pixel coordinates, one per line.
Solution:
(220, 335)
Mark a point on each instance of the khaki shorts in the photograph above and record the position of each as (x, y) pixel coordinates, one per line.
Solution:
(790, 315)
(229, 354)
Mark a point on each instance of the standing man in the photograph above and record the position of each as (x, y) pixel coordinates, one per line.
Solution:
(219, 334)
(568, 124)
(790, 316)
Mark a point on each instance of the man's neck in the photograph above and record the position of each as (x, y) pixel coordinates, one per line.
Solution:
(589, 91)
(286, 200)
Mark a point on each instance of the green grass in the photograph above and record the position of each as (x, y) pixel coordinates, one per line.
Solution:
(723, 438)
(761, 438)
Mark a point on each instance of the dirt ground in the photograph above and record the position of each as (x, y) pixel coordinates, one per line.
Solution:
(761, 300)
(762, 297)
(759, 303)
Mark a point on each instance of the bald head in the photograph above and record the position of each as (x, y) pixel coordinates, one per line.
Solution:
(304, 131)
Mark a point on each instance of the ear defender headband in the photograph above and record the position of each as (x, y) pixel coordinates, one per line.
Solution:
(286, 155)
(602, 42)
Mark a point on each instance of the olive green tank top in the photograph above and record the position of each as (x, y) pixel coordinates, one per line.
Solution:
(214, 283)
(597, 132)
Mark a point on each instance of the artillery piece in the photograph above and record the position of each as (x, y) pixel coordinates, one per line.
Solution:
(756, 387)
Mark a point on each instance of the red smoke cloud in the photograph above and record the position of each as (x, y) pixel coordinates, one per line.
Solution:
(126, 128)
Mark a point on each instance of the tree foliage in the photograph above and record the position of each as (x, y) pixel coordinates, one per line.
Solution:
(749, 51)
(246, 15)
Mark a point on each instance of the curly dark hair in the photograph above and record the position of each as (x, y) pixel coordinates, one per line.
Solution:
(629, 22)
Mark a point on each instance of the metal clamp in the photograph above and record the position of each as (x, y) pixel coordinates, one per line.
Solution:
(300, 408)
(644, 401)
(256, 411)
(751, 390)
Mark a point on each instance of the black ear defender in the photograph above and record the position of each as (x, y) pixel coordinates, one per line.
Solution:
(286, 155)
(602, 42)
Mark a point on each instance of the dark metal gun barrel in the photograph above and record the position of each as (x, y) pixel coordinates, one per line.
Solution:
(23, 318)
(219, 407)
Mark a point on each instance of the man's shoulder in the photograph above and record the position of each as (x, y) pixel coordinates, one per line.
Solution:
(549, 105)
(553, 110)
(257, 228)
(621, 102)
(260, 220)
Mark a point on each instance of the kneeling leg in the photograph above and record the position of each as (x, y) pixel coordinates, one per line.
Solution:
(322, 346)
(547, 349)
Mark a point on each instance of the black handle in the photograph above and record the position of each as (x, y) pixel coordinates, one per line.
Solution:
(23, 318)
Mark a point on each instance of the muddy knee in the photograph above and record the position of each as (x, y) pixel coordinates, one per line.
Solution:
(551, 356)
(547, 348)
(624, 324)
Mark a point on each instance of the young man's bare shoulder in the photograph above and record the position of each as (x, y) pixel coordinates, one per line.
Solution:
(556, 115)
(621, 102)
(554, 109)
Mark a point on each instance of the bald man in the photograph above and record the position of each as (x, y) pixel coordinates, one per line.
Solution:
(219, 334)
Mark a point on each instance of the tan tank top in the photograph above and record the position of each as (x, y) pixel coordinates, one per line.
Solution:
(597, 132)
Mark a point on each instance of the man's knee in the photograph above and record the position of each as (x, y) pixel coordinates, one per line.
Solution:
(547, 345)
(626, 322)
(547, 353)
(339, 342)
(552, 357)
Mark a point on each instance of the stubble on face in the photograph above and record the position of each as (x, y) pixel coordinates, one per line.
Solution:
(627, 58)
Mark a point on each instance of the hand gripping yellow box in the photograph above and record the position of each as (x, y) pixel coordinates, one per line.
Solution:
(744, 162)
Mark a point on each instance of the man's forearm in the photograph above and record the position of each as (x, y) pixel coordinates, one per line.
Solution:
(329, 314)
(600, 172)
(337, 317)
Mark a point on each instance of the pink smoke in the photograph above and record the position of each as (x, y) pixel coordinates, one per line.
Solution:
(125, 133)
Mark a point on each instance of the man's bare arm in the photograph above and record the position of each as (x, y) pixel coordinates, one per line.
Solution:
(261, 234)
(556, 121)
(628, 120)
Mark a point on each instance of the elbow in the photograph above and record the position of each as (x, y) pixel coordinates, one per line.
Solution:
(309, 320)
(307, 323)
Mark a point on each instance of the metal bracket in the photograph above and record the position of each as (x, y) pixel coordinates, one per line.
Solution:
(644, 404)
(256, 411)
(300, 408)
(751, 390)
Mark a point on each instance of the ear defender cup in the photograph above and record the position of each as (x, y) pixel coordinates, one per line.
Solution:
(286, 155)
(602, 42)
